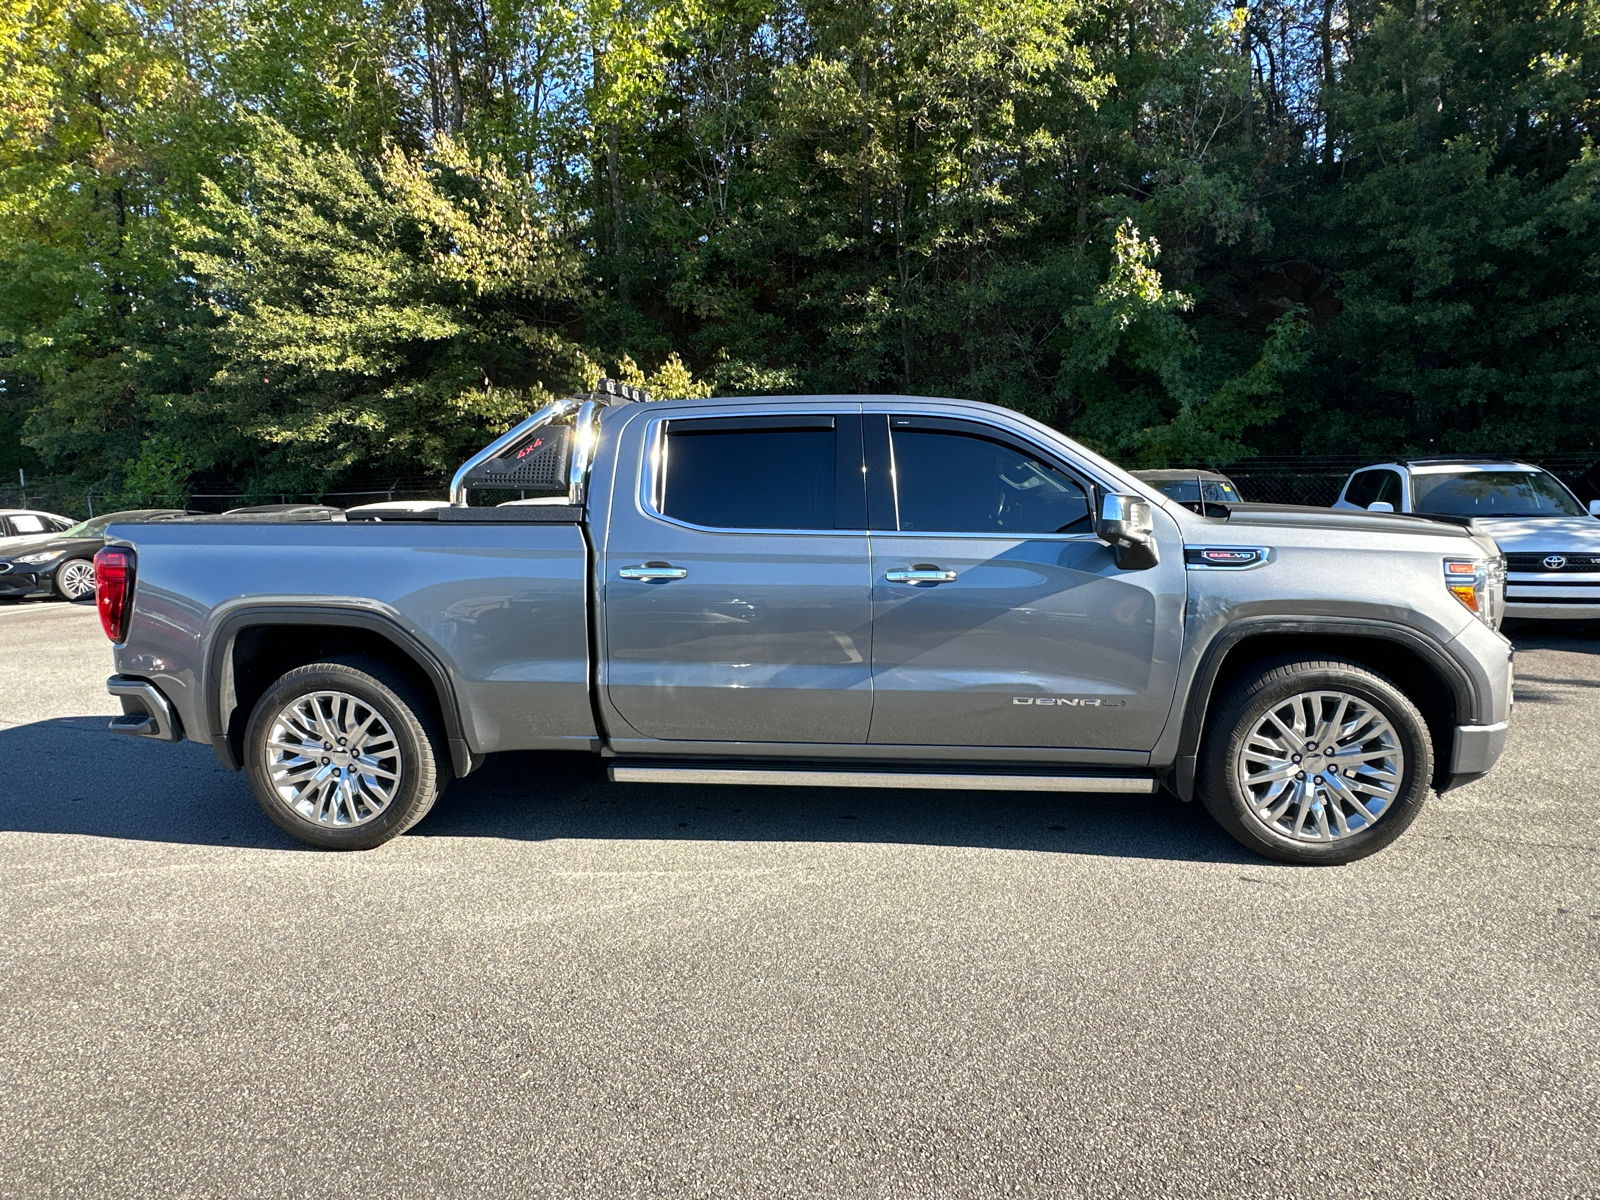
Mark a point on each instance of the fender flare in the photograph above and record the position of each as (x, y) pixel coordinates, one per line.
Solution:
(218, 663)
(1198, 702)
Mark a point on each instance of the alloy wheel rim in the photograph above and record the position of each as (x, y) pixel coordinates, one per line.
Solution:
(77, 579)
(332, 760)
(1320, 766)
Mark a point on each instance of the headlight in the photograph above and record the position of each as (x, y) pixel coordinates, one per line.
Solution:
(34, 560)
(1480, 584)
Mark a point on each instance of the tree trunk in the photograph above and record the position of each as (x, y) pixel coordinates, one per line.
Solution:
(1325, 31)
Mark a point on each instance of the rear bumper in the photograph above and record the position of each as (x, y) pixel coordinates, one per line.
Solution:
(145, 711)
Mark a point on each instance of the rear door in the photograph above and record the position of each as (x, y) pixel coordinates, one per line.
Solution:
(736, 580)
(999, 619)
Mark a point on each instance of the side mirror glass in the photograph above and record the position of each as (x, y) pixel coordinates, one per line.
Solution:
(1128, 525)
(1380, 506)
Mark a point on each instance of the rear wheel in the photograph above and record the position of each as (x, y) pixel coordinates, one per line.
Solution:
(345, 754)
(1315, 761)
(75, 580)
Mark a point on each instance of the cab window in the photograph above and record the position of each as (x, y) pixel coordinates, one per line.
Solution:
(955, 481)
(764, 473)
(1369, 487)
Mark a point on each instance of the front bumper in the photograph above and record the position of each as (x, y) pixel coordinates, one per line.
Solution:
(1583, 610)
(1477, 748)
(23, 583)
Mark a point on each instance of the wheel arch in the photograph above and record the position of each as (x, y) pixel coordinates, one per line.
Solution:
(253, 646)
(1416, 663)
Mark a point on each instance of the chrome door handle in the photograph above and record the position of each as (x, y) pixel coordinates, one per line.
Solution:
(921, 575)
(652, 572)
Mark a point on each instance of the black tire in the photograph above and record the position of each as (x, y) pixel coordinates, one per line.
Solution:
(1274, 683)
(418, 743)
(59, 584)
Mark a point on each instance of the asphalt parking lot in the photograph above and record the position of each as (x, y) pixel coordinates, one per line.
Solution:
(557, 986)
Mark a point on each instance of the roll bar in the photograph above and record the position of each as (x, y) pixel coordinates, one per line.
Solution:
(608, 392)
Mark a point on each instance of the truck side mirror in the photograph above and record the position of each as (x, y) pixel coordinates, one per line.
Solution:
(1380, 506)
(1594, 508)
(1127, 524)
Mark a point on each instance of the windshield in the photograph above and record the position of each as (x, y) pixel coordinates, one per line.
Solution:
(96, 526)
(1494, 494)
(93, 527)
(1186, 491)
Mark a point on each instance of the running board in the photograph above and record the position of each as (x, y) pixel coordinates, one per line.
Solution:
(951, 781)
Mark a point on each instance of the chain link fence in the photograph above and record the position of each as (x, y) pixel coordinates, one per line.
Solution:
(62, 498)
(1319, 480)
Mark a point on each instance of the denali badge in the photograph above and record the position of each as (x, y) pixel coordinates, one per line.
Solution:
(1069, 701)
(1554, 562)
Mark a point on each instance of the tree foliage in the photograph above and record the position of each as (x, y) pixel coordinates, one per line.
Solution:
(286, 243)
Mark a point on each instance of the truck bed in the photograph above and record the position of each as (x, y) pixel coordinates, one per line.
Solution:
(500, 602)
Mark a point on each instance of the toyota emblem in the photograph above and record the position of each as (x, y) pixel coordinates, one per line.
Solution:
(1554, 562)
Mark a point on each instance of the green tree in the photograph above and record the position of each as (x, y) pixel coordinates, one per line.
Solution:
(378, 313)
(1464, 217)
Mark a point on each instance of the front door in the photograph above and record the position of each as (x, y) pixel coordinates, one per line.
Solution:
(736, 580)
(999, 618)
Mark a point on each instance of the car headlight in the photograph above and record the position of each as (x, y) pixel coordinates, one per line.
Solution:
(34, 560)
(1480, 584)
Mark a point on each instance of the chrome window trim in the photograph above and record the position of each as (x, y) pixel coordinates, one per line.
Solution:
(987, 537)
(653, 467)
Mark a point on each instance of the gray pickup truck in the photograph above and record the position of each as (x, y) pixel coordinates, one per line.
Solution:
(847, 591)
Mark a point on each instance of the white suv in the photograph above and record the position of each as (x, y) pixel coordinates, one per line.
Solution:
(1552, 547)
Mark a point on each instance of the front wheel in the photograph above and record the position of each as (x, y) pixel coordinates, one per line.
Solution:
(345, 754)
(75, 580)
(1315, 761)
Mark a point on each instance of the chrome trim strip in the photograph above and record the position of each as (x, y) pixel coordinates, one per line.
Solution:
(755, 777)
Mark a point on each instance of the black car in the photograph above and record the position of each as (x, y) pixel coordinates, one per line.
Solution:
(63, 563)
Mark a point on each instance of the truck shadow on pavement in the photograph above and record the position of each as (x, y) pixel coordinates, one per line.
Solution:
(71, 776)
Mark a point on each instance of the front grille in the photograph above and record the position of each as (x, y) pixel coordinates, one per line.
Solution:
(1535, 562)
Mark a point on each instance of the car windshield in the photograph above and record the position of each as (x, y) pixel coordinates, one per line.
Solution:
(1187, 491)
(1494, 494)
(93, 527)
(96, 526)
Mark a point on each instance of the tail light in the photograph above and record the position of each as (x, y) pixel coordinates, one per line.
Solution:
(113, 589)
